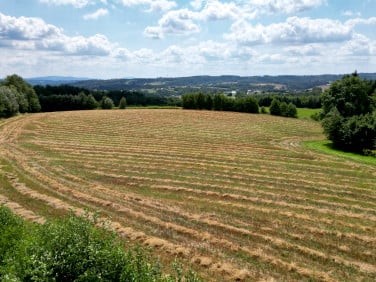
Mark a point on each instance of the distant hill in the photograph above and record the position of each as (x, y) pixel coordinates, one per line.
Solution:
(180, 85)
(172, 86)
(54, 80)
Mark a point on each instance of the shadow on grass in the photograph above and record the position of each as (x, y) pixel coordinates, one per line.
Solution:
(325, 146)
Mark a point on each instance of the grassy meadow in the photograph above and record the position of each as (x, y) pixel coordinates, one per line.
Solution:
(236, 195)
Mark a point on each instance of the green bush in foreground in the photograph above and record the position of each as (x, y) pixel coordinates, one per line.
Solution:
(73, 249)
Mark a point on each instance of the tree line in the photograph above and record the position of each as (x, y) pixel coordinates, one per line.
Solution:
(219, 102)
(245, 104)
(65, 98)
(300, 100)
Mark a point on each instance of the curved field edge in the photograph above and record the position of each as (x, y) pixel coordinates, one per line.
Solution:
(234, 194)
(325, 146)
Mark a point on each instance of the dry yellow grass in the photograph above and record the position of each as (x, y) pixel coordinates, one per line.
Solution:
(236, 195)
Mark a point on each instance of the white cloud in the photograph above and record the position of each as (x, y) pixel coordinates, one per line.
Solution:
(305, 50)
(97, 14)
(154, 5)
(24, 28)
(294, 30)
(197, 4)
(216, 10)
(178, 22)
(349, 13)
(361, 21)
(74, 3)
(359, 45)
(34, 33)
(283, 6)
(183, 21)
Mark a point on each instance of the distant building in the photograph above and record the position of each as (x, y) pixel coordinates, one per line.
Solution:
(231, 94)
(252, 92)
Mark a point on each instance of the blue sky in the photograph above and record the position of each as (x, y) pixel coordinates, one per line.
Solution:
(154, 38)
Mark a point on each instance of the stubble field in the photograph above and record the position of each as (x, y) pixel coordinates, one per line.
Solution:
(236, 195)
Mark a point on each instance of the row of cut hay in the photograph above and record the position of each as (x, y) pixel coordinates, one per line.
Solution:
(131, 165)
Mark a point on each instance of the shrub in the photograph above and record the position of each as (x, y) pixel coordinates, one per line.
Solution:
(11, 231)
(291, 111)
(275, 108)
(72, 249)
(107, 103)
(122, 103)
(91, 103)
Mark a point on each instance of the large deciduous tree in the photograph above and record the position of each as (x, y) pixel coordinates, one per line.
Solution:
(349, 117)
(26, 90)
(8, 102)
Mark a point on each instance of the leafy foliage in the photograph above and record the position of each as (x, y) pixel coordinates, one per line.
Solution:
(8, 102)
(278, 108)
(122, 103)
(16, 95)
(300, 100)
(26, 90)
(349, 114)
(107, 103)
(71, 249)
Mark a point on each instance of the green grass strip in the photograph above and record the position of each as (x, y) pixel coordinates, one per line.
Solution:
(326, 146)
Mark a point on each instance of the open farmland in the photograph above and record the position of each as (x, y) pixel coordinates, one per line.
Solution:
(236, 195)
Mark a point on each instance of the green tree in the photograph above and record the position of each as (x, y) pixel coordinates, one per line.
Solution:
(200, 101)
(275, 108)
(219, 102)
(122, 103)
(8, 102)
(25, 89)
(283, 107)
(208, 102)
(246, 105)
(351, 96)
(91, 103)
(107, 103)
(291, 111)
(349, 117)
(188, 101)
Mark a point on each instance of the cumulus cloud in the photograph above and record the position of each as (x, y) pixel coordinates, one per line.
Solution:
(178, 22)
(197, 4)
(34, 33)
(97, 14)
(216, 10)
(361, 21)
(154, 5)
(359, 45)
(305, 50)
(283, 6)
(24, 28)
(294, 30)
(74, 3)
(184, 21)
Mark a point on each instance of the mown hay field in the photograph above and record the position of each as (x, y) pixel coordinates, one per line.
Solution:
(236, 195)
